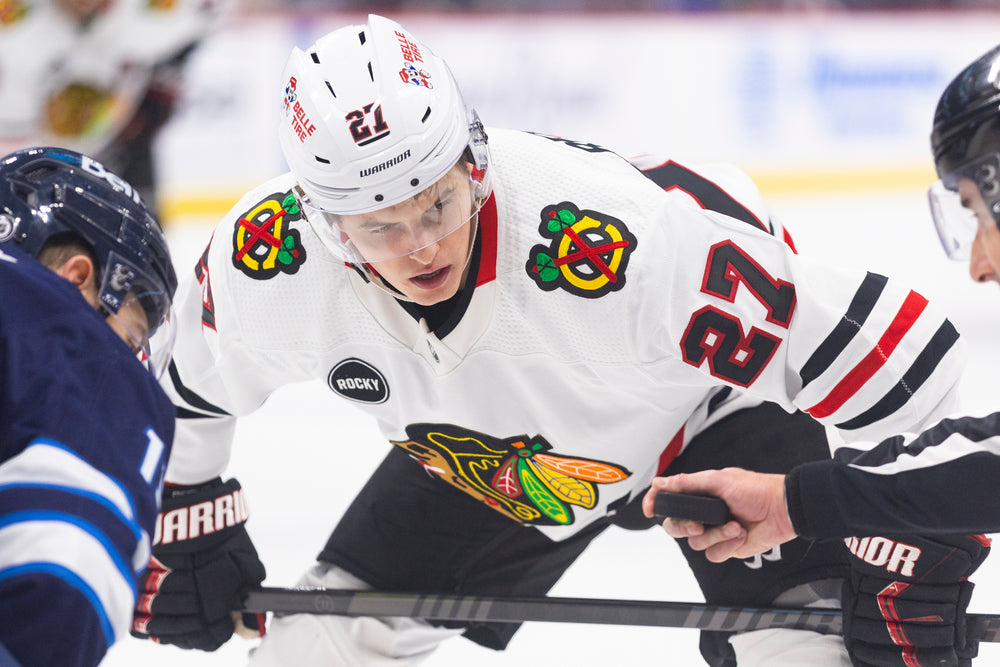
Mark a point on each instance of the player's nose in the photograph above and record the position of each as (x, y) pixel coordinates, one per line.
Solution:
(980, 268)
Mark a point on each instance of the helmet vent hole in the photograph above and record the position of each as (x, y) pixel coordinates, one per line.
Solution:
(370, 72)
(427, 115)
(361, 37)
(315, 57)
(330, 88)
(39, 174)
(321, 159)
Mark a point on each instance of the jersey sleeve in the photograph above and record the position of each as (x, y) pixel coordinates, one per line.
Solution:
(217, 374)
(855, 350)
(86, 433)
(885, 488)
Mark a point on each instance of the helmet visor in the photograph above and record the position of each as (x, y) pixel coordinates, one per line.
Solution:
(153, 350)
(399, 230)
(139, 309)
(956, 223)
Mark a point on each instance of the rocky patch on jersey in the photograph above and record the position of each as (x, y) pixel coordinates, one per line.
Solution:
(519, 477)
(264, 244)
(359, 381)
(587, 254)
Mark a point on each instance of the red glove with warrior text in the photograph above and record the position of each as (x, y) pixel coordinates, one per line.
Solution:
(906, 599)
(203, 564)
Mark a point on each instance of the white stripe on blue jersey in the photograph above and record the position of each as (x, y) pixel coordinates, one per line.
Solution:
(49, 543)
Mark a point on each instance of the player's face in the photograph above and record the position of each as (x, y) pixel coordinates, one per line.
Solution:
(984, 258)
(130, 324)
(420, 246)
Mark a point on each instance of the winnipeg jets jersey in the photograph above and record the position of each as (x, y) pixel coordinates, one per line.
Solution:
(606, 306)
(84, 436)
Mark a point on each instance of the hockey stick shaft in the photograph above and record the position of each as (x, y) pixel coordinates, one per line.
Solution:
(562, 610)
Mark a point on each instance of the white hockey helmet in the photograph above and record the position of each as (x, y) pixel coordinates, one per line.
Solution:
(370, 118)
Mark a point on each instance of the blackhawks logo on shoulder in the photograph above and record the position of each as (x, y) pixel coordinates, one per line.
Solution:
(587, 255)
(264, 244)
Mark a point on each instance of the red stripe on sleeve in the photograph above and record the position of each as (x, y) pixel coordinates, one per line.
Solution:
(908, 313)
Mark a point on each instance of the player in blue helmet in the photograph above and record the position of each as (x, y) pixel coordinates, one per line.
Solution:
(53, 196)
(938, 482)
(85, 430)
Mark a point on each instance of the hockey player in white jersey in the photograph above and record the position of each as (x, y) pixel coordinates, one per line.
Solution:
(908, 484)
(539, 328)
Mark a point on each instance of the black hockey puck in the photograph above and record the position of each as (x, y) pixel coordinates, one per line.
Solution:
(706, 510)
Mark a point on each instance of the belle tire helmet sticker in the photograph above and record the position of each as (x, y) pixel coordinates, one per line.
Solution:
(587, 255)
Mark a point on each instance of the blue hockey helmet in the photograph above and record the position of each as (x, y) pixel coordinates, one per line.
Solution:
(45, 192)
(965, 141)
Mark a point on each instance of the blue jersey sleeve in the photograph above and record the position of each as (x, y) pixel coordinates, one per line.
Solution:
(85, 433)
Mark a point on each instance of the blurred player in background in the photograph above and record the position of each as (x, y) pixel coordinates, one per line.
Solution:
(937, 482)
(98, 76)
(85, 430)
(539, 327)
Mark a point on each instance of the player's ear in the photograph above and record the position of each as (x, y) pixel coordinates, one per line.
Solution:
(79, 270)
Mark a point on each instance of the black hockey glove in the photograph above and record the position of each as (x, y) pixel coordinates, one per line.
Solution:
(203, 563)
(906, 599)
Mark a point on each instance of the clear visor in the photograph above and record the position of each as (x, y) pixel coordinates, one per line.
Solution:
(140, 312)
(956, 223)
(153, 350)
(404, 228)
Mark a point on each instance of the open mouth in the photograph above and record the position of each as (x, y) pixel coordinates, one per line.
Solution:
(431, 279)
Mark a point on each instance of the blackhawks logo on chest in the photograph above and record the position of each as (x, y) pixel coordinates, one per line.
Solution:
(520, 477)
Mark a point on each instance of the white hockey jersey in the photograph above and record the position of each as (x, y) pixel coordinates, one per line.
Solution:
(609, 306)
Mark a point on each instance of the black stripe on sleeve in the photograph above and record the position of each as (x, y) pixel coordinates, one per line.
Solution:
(972, 429)
(861, 307)
(672, 175)
(191, 398)
(921, 369)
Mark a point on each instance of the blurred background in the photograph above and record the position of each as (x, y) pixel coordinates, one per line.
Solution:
(826, 103)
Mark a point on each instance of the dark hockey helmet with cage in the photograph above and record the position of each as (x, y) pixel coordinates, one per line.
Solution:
(45, 192)
(965, 141)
